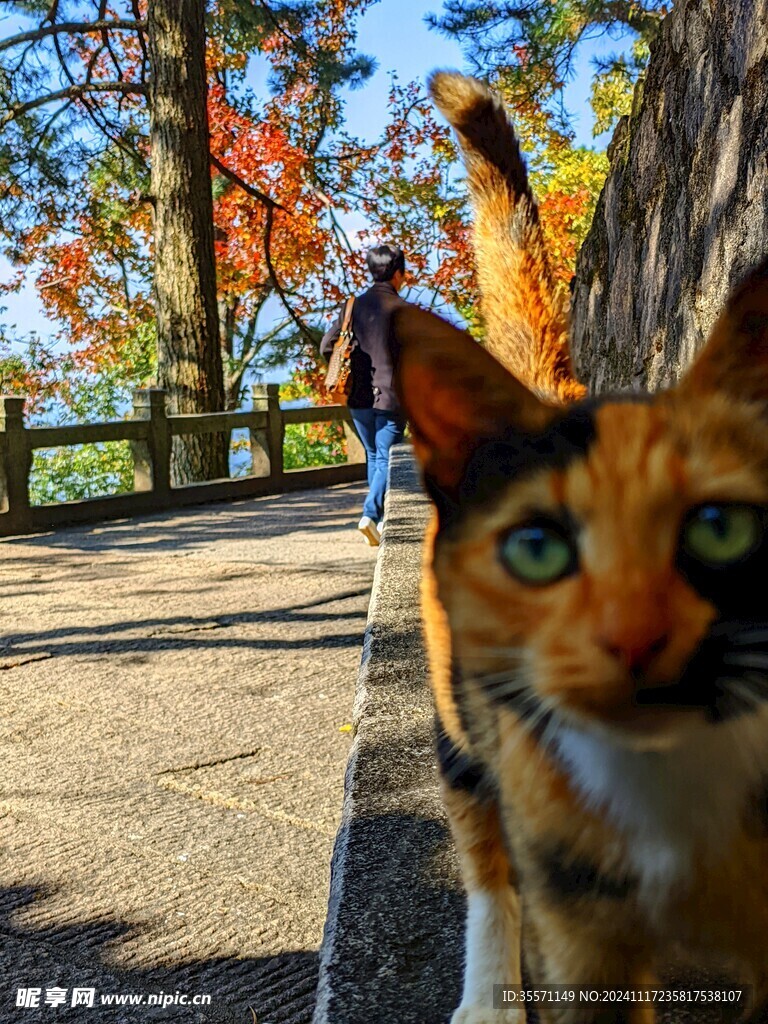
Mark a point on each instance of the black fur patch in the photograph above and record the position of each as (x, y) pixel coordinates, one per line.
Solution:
(756, 816)
(728, 674)
(529, 709)
(457, 692)
(498, 461)
(570, 878)
(715, 683)
(735, 589)
(459, 770)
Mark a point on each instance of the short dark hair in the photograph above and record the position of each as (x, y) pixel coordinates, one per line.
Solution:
(384, 261)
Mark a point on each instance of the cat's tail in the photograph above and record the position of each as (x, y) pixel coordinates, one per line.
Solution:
(525, 311)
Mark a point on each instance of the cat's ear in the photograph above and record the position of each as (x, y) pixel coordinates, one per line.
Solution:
(734, 360)
(455, 394)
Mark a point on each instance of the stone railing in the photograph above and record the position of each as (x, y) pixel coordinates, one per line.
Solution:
(150, 433)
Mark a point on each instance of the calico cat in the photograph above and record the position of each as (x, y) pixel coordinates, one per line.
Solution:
(595, 599)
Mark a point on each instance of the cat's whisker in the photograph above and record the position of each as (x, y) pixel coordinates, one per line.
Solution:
(749, 659)
(540, 713)
(746, 695)
(757, 682)
(527, 722)
(549, 735)
(750, 636)
(735, 629)
(507, 696)
(527, 699)
(490, 678)
(726, 682)
(504, 684)
(502, 695)
(547, 745)
(490, 652)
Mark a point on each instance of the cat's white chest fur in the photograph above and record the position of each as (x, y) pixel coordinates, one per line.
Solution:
(676, 806)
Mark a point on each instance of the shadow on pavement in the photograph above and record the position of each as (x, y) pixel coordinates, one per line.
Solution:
(281, 988)
(315, 512)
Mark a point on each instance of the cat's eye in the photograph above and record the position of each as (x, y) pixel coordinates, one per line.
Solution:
(538, 554)
(722, 534)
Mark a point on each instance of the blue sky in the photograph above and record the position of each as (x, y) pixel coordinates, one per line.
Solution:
(395, 34)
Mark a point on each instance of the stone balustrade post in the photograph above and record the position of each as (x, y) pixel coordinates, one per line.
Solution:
(152, 458)
(267, 444)
(15, 464)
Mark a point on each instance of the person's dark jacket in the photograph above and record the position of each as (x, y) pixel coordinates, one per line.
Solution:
(373, 358)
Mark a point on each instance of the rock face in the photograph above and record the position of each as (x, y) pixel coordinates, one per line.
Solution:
(684, 212)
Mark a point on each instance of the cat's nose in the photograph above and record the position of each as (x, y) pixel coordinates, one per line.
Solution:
(636, 653)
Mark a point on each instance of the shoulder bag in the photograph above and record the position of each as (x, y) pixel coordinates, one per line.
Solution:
(338, 377)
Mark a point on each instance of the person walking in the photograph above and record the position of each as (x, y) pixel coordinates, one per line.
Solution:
(372, 401)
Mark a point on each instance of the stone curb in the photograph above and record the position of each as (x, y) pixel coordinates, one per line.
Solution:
(392, 944)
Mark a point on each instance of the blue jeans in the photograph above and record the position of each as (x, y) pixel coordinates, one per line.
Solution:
(378, 431)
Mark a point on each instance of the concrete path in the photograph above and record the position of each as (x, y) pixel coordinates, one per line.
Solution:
(175, 695)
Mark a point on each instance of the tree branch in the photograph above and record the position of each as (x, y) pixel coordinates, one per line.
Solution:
(106, 42)
(305, 332)
(103, 25)
(255, 193)
(645, 21)
(92, 110)
(338, 231)
(71, 92)
(283, 32)
(40, 139)
(142, 41)
(247, 356)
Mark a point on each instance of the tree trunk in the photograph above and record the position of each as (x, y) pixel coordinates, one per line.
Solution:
(684, 212)
(189, 355)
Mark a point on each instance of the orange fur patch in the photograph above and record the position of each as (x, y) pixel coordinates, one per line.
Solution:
(525, 311)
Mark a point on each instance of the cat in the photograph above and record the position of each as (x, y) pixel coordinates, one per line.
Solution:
(596, 618)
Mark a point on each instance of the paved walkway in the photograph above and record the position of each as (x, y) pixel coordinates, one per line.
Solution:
(174, 700)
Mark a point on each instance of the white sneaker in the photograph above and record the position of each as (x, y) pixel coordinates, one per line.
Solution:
(367, 527)
(380, 527)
